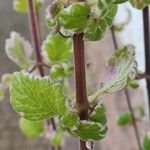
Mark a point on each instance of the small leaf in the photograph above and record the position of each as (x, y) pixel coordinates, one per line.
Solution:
(22, 5)
(60, 71)
(140, 4)
(99, 114)
(70, 120)
(19, 50)
(6, 79)
(88, 130)
(2, 93)
(57, 72)
(57, 138)
(36, 98)
(122, 66)
(57, 48)
(124, 119)
(31, 129)
(74, 18)
(146, 141)
(52, 14)
(68, 69)
(97, 27)
(132, 83)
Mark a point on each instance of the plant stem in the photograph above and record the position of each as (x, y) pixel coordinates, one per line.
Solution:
(128, 98)
(80, 77)
(35, 37)
(146, 29)
(34, 31)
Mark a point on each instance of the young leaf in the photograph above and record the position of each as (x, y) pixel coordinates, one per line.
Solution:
(88, 130)
(2, 93)
(52, 14)
(74, 17)
(122, 65)
(19, 50)
(124, 119)
(22, 5)
(36, 98)
(146, 141)
(132, 83)
(31, 129)
(97, 27)
(99, 114)
(139, 4)
(57, 72)
(60, 71)
(57, 48)
(69, 120)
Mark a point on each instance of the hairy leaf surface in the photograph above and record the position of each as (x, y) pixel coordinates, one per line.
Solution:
(19, 50)
(121, 66)
(88, 130)
(97, 27)
(74, 17)
(99, 114)
(36, 98)
(57, 48)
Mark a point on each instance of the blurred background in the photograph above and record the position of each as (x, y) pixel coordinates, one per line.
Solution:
(118, 138)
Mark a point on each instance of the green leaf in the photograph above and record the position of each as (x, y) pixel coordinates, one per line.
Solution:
(88, 130)
(140, 4)
(52, 14)
(69, 120)
(57, 48)
(121, 67)
(19, 50)
(57, 72)
(57, 138)
(146, 141)
(2, 93)
(31, 129)
(36, 98)
(22, 5)
(60, 71)
(132, 83)
(74, 18)
(99, 114)
(97, 27)
(124, 119)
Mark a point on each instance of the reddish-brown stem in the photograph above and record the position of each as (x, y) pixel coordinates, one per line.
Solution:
(80, 78)
(34, 31)
(146, 29)
(143, 76)
(35, 37)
